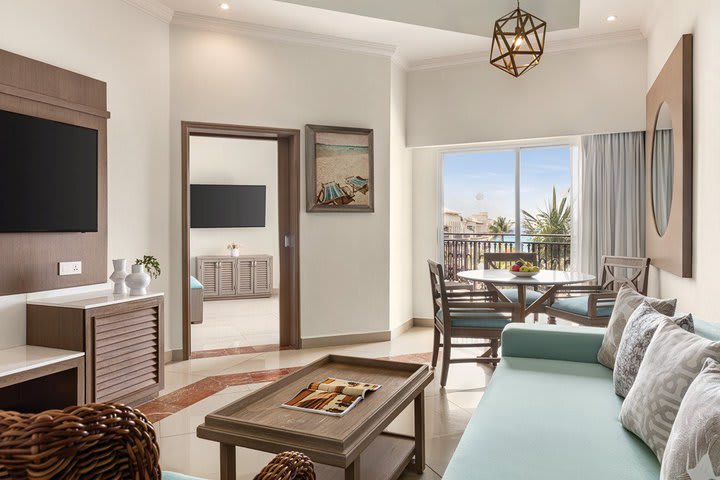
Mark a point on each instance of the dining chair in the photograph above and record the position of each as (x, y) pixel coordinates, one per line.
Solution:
(466, 313)
(504, 261)
(592, 305)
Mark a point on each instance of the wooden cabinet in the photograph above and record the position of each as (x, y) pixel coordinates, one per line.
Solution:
(247, 276)
(122, 338)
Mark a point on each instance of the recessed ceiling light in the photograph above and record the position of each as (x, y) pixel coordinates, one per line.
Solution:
(611, 18)
(225, 6)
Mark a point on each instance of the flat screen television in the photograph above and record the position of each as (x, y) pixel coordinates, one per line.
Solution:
(48, 175)
(227, 206)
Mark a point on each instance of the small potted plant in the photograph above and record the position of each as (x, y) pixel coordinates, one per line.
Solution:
(234, 249)
(139, 279)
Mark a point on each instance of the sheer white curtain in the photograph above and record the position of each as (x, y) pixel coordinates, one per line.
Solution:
(608, 199)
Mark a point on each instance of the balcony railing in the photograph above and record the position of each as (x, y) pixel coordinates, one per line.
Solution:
(465, 251)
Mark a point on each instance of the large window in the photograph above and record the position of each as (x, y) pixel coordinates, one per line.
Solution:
(507, 200)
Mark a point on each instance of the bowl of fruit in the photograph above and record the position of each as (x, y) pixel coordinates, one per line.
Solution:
(521, 268)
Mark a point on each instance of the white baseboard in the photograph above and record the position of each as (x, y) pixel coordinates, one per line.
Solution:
(402, 328)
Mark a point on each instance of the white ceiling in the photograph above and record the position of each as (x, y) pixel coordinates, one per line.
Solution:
(415, 41)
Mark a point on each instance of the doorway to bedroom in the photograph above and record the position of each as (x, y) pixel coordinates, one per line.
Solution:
(240, 213)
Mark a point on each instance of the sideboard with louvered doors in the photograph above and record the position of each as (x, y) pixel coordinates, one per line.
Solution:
(121, 335)
(247, 276)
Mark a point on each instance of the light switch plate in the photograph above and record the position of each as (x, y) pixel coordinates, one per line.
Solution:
(70, 268)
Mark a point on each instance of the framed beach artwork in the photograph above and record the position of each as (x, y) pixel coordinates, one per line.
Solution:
(339, 169)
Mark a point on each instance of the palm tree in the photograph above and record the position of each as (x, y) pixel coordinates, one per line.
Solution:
(554, 219)
(500, 225)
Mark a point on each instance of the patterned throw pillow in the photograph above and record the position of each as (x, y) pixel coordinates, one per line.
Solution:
(693, 449)
(625, 304)
(639, 331)
(672, 361)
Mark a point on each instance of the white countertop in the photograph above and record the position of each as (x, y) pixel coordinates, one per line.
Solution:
(89, 300)
(28, 357)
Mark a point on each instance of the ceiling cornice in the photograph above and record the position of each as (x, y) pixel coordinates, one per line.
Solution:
(153, 8)
(283, 34)
(556, 46)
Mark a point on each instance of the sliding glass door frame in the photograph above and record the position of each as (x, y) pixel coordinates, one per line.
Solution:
(517, 147)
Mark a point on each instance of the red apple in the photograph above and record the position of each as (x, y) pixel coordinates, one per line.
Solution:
(515, 268)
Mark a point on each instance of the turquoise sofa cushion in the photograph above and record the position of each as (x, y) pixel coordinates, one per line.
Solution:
(177, 476)
(579, 306)
(530, 295)
(477, 319)
(195, 283)
(552, 342)
(709, 330)
(550, 420)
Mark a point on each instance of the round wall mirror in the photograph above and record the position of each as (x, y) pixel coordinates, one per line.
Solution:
(662, 168)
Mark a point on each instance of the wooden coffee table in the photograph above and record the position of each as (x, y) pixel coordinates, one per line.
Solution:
(356, 442)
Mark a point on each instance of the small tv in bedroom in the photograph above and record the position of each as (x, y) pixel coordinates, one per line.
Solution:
(48, 175)
(227, 206)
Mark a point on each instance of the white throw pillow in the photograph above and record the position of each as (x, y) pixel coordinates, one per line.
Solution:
(693, 449)
(672, 361)
(625, 304)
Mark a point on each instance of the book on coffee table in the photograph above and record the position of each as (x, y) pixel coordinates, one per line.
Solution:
(332, 396)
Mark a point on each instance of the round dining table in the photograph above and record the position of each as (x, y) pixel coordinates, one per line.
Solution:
(552, 279)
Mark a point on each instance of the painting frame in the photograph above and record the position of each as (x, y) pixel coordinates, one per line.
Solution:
(311, 171)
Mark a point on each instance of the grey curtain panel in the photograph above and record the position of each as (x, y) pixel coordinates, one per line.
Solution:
(609, 199)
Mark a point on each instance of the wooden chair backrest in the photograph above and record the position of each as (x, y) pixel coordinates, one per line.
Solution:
(439, 292)
(504, 260)
(630, 271)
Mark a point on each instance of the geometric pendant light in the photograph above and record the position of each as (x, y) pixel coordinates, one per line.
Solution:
(518, 42)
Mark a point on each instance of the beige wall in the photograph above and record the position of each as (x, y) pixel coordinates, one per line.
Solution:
(227, 78)
(235, 161)
(114, 42)
(701, 18)
(401, 189)
(593, 90)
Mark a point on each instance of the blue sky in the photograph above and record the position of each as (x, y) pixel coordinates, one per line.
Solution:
(485, 181)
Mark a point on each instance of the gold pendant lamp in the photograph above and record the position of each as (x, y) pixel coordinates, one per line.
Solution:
(518, 42)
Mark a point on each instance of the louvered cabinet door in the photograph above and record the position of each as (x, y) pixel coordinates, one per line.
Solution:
(262, 275)
(208, 273)
(244, 276)
(127, 348)
(227, 276)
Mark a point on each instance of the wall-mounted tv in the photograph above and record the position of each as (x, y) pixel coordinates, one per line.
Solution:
(227, 206)
(48, 175)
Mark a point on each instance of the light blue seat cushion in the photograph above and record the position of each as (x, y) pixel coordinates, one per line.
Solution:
(478, 319)
(579, 306)
(195, 283)
(709, 330)
(530, 295)
(558, 420)
(177, 476)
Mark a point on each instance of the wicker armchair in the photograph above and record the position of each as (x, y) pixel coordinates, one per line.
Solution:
(100, 441)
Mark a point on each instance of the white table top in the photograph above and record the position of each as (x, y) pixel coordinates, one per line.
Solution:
(544, 277)
(28, 357)
(90, 300)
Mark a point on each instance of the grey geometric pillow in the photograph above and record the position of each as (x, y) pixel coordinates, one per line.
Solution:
(639, 331)
(672, 361)
(693, 449)
(625, 304)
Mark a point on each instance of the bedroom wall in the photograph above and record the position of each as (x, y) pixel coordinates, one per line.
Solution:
(234, 161)
(231, 78)
(91, 38)
(701, 18)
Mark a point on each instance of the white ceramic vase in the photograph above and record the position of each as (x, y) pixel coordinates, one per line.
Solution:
(118, 276)
(235, 252)
(138, 280)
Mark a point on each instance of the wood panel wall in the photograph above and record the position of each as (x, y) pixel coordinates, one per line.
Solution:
(30, 260)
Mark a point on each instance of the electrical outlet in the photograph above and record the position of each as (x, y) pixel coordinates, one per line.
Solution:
(70, 268)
